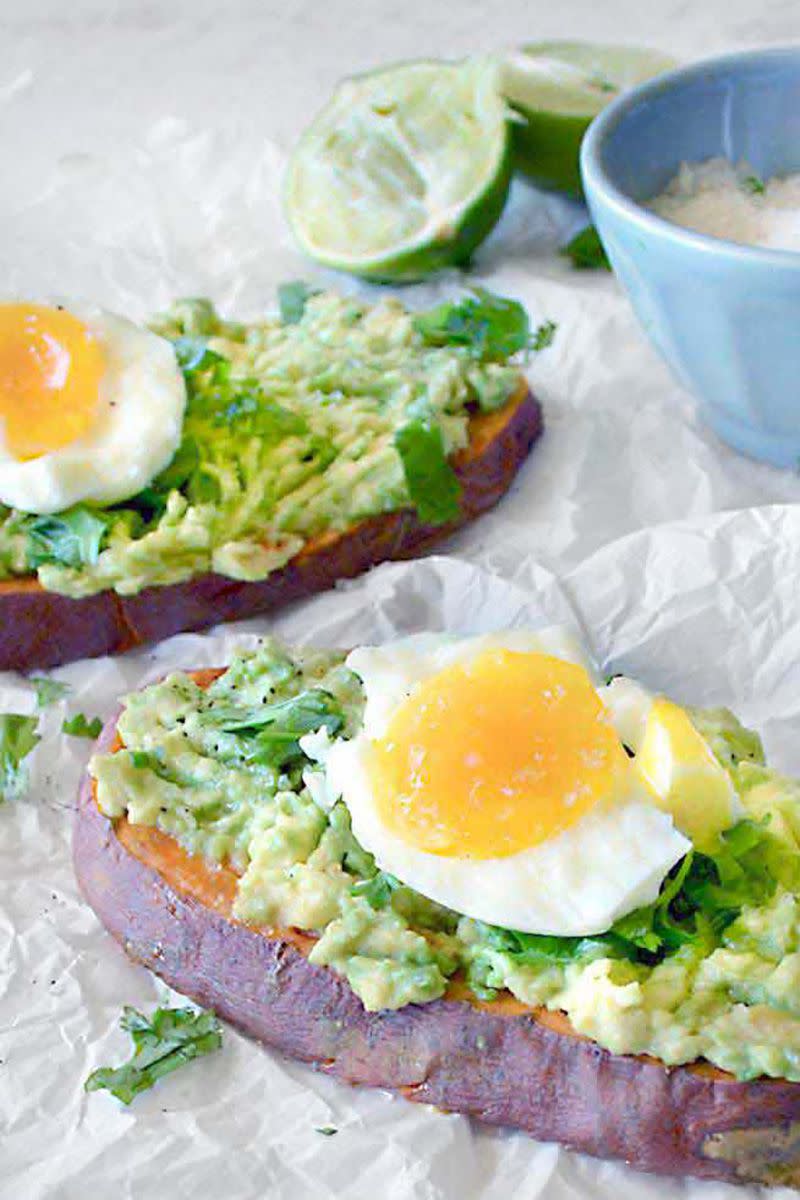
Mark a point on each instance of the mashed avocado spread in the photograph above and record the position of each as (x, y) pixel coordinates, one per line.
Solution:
(710, 970)
(295, 426)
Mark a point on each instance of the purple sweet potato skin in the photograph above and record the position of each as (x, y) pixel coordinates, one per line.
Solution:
(504, 1069)
(43, 629)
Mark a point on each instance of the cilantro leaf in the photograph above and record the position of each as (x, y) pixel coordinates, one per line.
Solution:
(531, 948)
(493, 328)
(744, 869)
(48, 691)
(586, 252)
(70, 539)
(183, 464)
(177, 473)
(326, 1130)
(162, 1043)
(194, 353)
(432, 483)
(754, 185)
(271, 733)
(146, 760)
(377, 891)
(18, 737)
(253, 412)
(292, 300)
(81, 726)
(216, 396)
(543, 336)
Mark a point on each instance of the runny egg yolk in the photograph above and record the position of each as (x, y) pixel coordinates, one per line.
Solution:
(51, 367)
(496, 755)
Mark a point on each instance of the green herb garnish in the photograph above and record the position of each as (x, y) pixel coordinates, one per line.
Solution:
(543, 336)
(326, 1130)
(432, 483)
(48, 691)
(586, 252)
(152, 500)
(378, 890)
(146, 760)
(18, 737)
(699, 899)
(492, 327)
(754, 185)
(270, 733)
(81, 726)
(194, 354)
(71, 539)
(252, 412)
(162, 1043)
(292, 300)
(215, 400)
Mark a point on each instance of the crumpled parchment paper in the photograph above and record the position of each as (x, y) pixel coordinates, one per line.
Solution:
(707, 610)
(144, 147)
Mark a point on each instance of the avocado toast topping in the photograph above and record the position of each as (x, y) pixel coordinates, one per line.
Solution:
(208, 794)
(313, 446)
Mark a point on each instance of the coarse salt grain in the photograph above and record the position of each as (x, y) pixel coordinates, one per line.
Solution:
(728, 202)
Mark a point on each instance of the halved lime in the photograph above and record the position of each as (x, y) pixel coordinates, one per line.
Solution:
(558, 88)
(405, 171)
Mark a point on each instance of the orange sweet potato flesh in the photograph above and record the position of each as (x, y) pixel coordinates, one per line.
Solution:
(499, 1062)
(43, 629)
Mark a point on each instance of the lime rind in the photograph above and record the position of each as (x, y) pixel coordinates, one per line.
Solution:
(557, 89)
(575, 79)
(405, 171)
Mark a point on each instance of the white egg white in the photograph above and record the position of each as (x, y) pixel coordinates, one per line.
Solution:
(576, 883)
(135, 434)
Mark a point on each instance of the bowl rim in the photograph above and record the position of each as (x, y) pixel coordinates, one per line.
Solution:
(597, 180)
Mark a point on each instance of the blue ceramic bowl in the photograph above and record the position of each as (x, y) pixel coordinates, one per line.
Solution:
(725, 317)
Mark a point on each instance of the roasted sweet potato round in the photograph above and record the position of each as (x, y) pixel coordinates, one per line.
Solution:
(43, 629)
(499, 1062)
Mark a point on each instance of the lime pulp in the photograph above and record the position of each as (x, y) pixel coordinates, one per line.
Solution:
(405, 171)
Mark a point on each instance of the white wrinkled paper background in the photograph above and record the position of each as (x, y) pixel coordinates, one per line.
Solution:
(143, 147)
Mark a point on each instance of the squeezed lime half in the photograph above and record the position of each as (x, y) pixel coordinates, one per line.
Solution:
(557, 88)
(405, 171)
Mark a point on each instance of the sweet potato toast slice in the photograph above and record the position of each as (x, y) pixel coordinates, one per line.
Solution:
(500, 1062)
(43, 629)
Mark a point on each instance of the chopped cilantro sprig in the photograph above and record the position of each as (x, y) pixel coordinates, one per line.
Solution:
(493, 328)
(543, 336)
(270, 733)
(48, 690)
(378, 890)
(69, 539)
(18, 737)
(586, 252)
(292, 300)
(432, 483)
(81, 726)
(163, 1042)
(754, 185)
